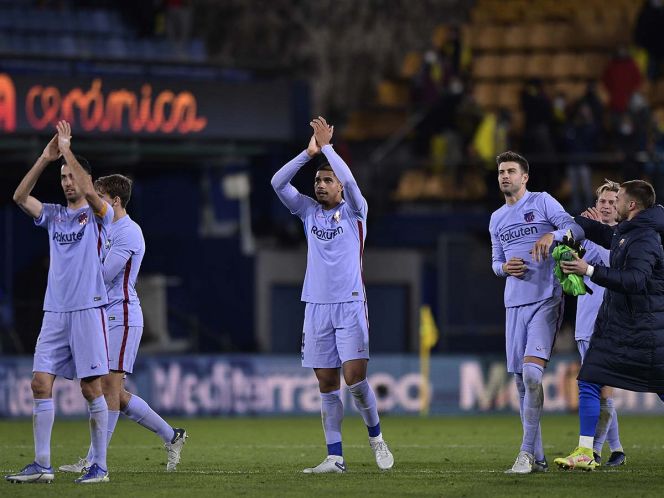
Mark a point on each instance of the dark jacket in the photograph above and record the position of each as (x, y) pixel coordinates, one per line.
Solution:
(627, 346)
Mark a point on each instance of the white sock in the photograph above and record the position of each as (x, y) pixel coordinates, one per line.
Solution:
(586, 442)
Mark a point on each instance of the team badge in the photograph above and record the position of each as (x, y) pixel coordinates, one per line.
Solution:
(337, 216)
(82, 219)
(622, 241)
(529, 217)
(107, 245)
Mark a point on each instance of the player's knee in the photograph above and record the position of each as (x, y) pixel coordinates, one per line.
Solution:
(40, 388)
(125, 396)
(91, 389)
(531, 380)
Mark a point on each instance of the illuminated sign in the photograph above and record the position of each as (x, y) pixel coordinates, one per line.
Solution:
(132, 107)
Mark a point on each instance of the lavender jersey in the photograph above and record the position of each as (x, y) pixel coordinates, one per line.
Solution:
(514, 230)
(588, 305)
(123, 253)
(75, 280)
(335, 238)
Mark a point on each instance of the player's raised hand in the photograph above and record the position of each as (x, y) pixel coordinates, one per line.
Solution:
(592, 213)
(577, 265)
(515, 267)
(313, 148)
(322, 131)
(64, 135)
(542, 247)
(51, 151)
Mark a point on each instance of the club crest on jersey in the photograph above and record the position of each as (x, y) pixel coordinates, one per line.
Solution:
(82, 218)
(107, 245)
(622, 241)
(337, 216)
(529, 217)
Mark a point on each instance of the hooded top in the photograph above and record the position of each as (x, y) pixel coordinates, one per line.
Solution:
(627, 346)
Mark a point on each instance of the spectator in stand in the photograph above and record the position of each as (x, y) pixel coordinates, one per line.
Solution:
(538, 132)
(621, 79)
(582, 142)
(648, 34)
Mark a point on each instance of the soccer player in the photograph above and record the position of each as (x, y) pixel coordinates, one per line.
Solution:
(336, 329)
(122, 256)
(522, 233)
(626, 347)
(586, 313)
(72, 341)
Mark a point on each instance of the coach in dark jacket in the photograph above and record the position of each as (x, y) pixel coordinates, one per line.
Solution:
(627, 346)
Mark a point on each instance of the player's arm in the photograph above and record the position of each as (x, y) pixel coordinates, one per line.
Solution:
(81, 177)
(641, 258)
(597, 232)
(515, 267)
(22, 197)
(352, 193)
(563, 222)
(117, 257)
(281, 181)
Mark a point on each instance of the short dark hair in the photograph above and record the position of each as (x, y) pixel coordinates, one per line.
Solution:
(82, 161)
(115, 186)
(641, 192)
(513, 157)
(325, 167)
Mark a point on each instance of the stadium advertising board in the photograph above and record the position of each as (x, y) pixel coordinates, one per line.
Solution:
(159, 107)
(276, 385)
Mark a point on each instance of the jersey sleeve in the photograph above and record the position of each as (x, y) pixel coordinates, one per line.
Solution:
(46, 215)
(289, 196)
(561, 220)
(497, 253)
(105, 217)
(352, 194)
(121, 250)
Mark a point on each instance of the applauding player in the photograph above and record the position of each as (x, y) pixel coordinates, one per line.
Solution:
(72, 341)
(336, 327)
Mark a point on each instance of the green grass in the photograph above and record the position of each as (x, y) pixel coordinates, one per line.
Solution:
(456, 456)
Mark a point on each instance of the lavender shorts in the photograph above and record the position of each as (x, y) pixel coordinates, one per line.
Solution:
(72, 344)
(334, 334)
(531, 330)
(123, 344)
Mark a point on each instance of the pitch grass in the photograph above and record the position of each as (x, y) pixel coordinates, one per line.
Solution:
(455, 456)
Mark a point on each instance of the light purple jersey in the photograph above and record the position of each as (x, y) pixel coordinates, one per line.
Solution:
(514, 230)
(588, 305)
(123, 253)
(75, 280)
(335, 238)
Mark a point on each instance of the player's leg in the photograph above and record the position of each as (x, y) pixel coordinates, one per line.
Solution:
(52, 357)
(515, 346)
(351, 323)
(582, 457)
(90, 353)
(540, 464)
(610, 432)
(111, 385)
(137, 409)
(319, 352)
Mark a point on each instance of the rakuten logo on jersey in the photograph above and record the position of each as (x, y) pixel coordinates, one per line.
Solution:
(517, 233)
(326, 233)
(68, 238)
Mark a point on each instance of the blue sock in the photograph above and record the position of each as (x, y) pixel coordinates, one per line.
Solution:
(588, 407)
(43, 414)
(533, 401)
(365, 401)
(332, 414)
